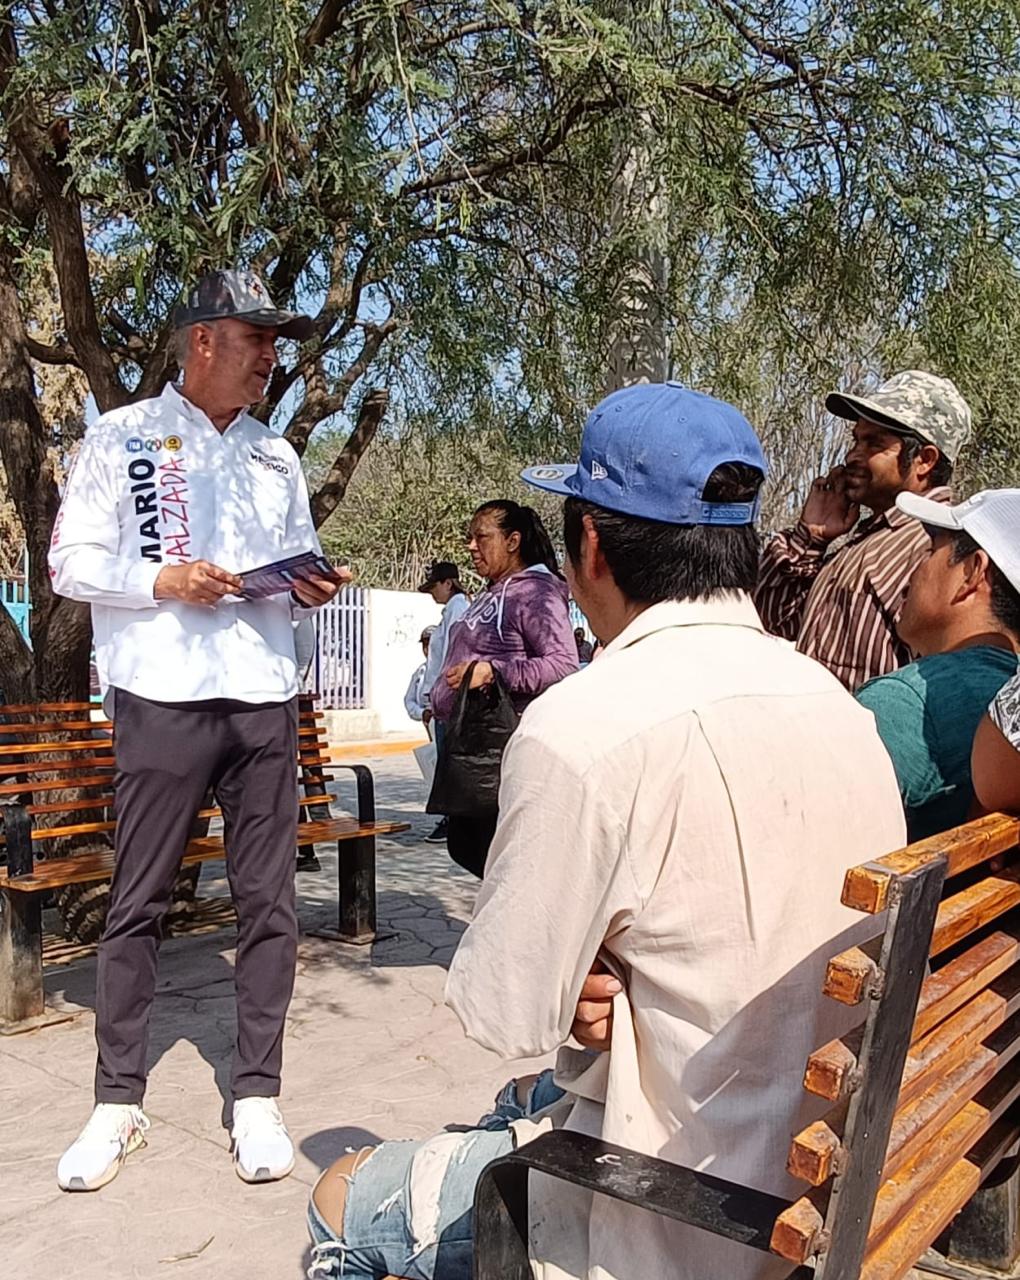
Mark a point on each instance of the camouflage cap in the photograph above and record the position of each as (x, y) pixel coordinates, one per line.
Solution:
(914, 403)
(239, 295)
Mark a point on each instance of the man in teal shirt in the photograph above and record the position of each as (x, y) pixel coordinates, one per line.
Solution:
(962, 614)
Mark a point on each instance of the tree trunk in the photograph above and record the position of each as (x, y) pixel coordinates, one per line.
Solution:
(58, 668)
(331, 492)
(638, 336)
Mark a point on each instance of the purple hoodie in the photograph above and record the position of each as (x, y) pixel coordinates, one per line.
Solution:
(522, 626)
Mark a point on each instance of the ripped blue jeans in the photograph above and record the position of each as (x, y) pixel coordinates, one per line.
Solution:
(409, 1204)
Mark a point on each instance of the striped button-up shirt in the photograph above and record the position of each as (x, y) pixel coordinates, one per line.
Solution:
(842, 609)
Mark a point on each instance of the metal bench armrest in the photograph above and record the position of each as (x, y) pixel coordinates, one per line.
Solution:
(17, 825)
(723, 1208)
(366, 789)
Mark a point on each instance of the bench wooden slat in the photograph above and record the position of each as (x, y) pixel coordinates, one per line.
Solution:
(929, 1215)
(831, 1071)
(30, 708)
(933, 1064)
(103, 802)
(98, 865)
(69, 806)
(866, 888)
(307, 734)
(74, 829)
(101, 746)
(97, 828)
(950, 1143)
(56, 784)
(56, 726)
(21, 769)
(968, 910)
(28, 768)
(955, 983)
(815, 1150)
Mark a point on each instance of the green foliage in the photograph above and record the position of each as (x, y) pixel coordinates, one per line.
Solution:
(471, 196)
(412, 497)
(971, 331)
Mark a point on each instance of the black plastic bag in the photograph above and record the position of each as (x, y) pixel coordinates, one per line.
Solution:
(467, 773)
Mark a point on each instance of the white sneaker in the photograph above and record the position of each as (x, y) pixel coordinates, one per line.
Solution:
(263, 1151)
(114, 1130)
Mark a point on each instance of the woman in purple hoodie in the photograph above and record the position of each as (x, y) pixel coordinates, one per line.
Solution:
(519, 626)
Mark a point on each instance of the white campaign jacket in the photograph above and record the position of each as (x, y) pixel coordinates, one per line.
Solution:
(155, 483)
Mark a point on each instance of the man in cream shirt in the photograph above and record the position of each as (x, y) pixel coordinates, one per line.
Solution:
(683, 810)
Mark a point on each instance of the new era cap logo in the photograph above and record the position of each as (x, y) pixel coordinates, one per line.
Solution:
(598, 471)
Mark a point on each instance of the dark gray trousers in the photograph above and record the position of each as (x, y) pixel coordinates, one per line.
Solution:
(168, 756)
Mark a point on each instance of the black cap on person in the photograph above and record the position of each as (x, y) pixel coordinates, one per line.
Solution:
(441, 571)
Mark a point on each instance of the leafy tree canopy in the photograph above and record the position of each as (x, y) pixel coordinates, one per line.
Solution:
(478, 200)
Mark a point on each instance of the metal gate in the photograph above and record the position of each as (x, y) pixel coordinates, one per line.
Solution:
(340, 650)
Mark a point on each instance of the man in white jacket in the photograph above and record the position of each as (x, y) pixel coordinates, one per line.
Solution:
(169, 500)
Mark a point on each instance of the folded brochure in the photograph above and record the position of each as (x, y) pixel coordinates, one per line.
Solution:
(271, 579)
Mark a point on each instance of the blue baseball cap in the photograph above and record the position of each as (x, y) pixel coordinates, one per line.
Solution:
(649, 450)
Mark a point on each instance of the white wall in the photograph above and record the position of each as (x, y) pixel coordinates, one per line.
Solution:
(393, 626)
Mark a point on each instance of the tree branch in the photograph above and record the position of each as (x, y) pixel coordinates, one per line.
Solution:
(158, 366)
(479, 27)
(319, 404)
(331, 492)
(135, 345)
(60, 353)
(782, 53)
(534, 153)
(326, 22)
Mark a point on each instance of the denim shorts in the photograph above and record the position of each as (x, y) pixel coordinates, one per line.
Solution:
(409, 1204)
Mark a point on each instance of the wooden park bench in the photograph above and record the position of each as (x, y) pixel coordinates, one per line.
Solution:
(58, 749)
(922, 1093)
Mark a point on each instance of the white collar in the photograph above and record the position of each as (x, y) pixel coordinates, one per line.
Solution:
(734, 609)
(188, 409)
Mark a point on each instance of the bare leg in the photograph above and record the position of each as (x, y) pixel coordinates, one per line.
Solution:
(330, 1194)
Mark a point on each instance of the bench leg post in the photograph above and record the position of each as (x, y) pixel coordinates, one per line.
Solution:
(21, 984)
(357, 889)
(500, 1223)
(314, 784)
(987, 1231)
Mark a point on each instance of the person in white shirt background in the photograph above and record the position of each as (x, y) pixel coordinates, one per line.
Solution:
(682, 812)
(415, 703)
(442, 583)
(168, 501)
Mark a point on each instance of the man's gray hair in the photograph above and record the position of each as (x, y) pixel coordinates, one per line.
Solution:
(181, 345)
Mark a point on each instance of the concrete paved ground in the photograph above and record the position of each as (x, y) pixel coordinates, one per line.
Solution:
(371, 1052)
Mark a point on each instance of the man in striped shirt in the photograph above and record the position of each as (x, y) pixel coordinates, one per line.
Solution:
(842, 607)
